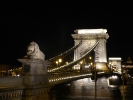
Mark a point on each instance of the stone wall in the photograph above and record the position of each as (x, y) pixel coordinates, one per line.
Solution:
(32, 84)
(11, 81)
(14, 88)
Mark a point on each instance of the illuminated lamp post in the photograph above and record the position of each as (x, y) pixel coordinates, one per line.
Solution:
(123, 84)
(91, 65)
(57, 63)
(81, 65)
(60, 60)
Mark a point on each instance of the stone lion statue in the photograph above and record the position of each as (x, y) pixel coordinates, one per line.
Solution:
(33, 51)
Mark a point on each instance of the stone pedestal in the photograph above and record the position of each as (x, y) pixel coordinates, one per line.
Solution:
(35, 79)
(34, 71)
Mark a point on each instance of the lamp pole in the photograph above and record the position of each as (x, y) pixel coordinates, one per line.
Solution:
(57, 63)
(81, 65)
(123, 85)
(95, 84)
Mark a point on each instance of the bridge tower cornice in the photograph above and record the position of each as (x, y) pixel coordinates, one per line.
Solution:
(90, 36)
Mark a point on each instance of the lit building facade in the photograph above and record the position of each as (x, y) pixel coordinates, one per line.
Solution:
(115, 63)
(128, 63)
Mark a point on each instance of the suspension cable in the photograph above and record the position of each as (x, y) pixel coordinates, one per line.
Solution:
(66, 52)
(77, 60)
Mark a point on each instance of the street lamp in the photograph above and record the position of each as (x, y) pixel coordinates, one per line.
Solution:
(60, 60)
(81, 65)
(57, 63)
(123, 84)
(95, 83)
(81, 62)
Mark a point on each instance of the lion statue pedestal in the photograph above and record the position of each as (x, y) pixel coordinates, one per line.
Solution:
(34, 67)
(34, 73)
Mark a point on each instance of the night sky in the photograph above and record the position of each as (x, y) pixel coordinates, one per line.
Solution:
(51, 24)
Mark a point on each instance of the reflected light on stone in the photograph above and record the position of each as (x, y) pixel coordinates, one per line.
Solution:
(112, 86)
(99, 67)
(18, 75)
(81, 62)
(90, 31)
(68, 84)
(114, 76)
(85, 80)
(114, 58)
(100, 72)
(91, 80)
(86, 66)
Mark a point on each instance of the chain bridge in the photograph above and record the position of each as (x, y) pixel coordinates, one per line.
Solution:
(87, 59)
(89, 52)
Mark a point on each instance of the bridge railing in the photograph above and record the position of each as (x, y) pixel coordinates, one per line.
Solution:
(61, 76)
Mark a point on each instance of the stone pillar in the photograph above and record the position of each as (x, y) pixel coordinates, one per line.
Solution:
(35, 79)
(89, 37)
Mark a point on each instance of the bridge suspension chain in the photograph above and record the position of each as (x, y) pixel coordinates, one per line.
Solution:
(65, 53)
(74, 62)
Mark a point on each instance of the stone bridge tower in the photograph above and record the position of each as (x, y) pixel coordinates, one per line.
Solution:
(89, 37)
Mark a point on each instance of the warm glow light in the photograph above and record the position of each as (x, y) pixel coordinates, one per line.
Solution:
(81, 62)
(76, 67)
(114, 76)
(89, 57)
(60, 60)
(67, 63)
(56, 62)
(114, 58)
(85, 80)
(90, 31)
(86, 66)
